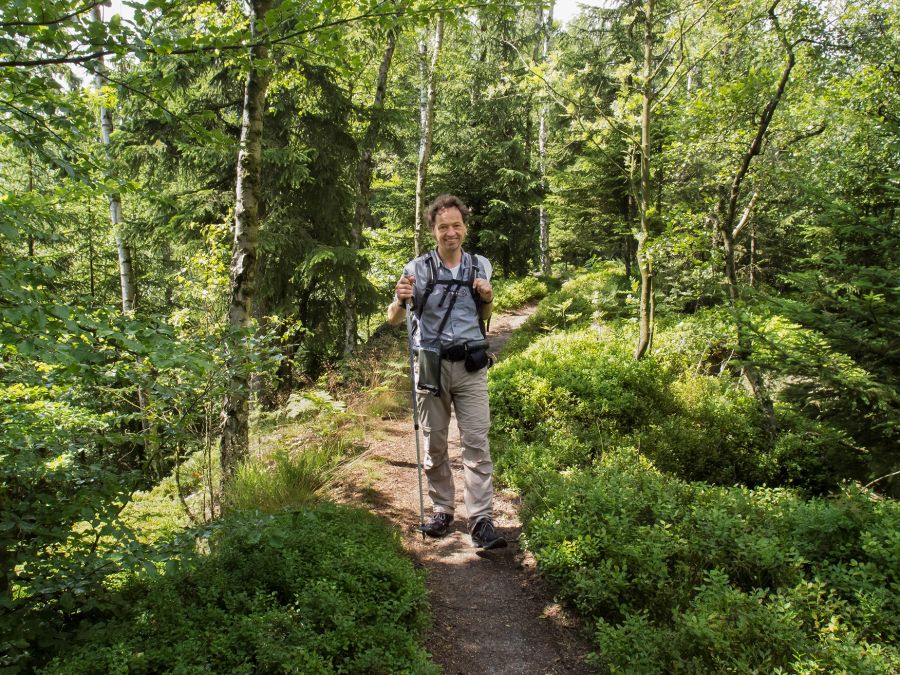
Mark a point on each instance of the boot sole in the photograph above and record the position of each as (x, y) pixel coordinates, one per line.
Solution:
(433, 535)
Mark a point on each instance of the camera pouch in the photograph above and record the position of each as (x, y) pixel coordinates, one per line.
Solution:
(429, 371)
(477, 357)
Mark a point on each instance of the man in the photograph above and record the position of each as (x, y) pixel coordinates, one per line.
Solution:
(452, 295)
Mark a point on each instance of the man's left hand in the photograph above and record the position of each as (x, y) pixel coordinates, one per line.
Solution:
(484, 289)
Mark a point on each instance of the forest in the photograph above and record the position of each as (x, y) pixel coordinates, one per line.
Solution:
(204, 207)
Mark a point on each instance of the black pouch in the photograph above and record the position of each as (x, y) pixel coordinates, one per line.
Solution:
(477, 358)
(429, 378)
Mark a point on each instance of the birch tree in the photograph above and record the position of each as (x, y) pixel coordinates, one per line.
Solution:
(427, 96)
(236, 410)
(645, 264)
(546, 25)
(126, 268)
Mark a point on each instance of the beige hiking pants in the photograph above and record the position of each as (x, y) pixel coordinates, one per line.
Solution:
(468, 394)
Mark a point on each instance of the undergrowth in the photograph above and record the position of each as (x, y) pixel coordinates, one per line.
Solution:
(686, 577)
(515, 292)
(324, 589)
(591, 297)
(280, 583)
(691, 537)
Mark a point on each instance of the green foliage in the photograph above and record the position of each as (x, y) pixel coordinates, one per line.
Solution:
(515, 292)
(286, 479)
(95, 406)
(571, 395)
(684, 577)
(321, 590)
(484, 137)
(587, 298)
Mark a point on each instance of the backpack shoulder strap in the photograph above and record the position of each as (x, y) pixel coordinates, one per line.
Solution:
(479, 303)
(429, 285)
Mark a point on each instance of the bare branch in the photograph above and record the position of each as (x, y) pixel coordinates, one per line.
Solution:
(746, 217)
(764, 122)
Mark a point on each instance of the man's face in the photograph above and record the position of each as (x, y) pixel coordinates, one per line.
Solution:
(449, 229)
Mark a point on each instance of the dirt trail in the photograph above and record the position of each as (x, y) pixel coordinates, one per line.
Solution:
(492, 613)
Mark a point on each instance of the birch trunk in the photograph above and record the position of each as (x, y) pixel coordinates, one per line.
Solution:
(236, 410)
(428, 94)
(364, 169)
(126, 268)
(544, 219)
(644, 262)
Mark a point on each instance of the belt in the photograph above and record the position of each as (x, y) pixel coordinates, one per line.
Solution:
(458, 352)
(454, 353)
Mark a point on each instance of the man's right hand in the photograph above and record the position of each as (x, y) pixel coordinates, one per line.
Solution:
(404, 291)
(404, 288)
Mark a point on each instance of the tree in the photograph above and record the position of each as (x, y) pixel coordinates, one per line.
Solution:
(726, 213)
(364, 169)
(545, 25)
(428, 93)
(126, 268)
(236, 410)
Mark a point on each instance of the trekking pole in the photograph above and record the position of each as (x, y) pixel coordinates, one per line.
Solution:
(415, 414)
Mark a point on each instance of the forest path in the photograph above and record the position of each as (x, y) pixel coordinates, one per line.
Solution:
(491, 612)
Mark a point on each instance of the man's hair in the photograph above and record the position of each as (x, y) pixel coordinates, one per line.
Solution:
(446, 202)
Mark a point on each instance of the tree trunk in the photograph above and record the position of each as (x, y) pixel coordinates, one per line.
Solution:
(426, 119)
(628, 253)
(30, 189)
(544, 219)
(644, 263)
(91, 259)
(753, 256)
(236, 410)
(729, 232)
(126, 268)
(364, 169)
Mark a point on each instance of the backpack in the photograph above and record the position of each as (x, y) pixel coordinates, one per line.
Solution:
(448, 284)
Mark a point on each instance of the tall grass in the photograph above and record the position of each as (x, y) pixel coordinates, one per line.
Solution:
(286, 479)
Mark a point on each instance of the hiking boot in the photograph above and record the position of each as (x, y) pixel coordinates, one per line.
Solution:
(485, 536)
(437, 525)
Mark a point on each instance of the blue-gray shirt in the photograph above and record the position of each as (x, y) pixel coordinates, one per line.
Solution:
(462, 324)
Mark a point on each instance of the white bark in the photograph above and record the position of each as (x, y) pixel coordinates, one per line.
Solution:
(546, 27)
(126, 268)
(645, 312)
(428, 94)
(236, 411)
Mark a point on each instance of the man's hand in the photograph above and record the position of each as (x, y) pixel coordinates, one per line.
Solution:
(404, 291)
(404, 288)
(484, 289)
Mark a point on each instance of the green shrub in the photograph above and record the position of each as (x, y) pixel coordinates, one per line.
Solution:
(715, 433)
(686, 577)
(700, 343)
(513, 293)
(285, 479)
(588, 298)
(835, 421)
(584, 380)
(321, 590)
(570, 395)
